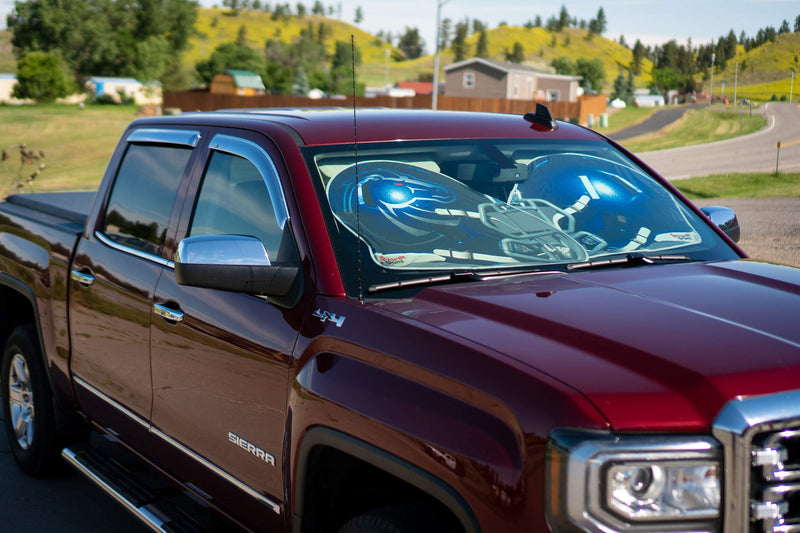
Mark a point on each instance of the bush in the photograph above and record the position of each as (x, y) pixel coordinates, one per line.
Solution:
(42, 77)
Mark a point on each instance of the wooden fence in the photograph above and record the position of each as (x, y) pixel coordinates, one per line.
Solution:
(204, 101)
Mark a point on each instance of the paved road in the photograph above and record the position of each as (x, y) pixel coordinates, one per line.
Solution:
(64, 503)
(660, 119)
(756, 152)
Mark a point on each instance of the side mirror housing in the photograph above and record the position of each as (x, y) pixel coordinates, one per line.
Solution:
(725, 219)
(233, 263)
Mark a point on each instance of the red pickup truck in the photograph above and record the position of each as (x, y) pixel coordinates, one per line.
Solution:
(399, 321)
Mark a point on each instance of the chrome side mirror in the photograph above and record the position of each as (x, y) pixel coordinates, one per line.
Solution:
(725, 219)
(231, 263)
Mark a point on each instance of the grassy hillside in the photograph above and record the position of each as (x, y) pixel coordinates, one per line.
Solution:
(765, 70)
(216, 26)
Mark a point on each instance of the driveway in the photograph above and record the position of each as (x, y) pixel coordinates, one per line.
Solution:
(660, 119)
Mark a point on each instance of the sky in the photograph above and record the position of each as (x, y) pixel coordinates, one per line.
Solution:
(651, 21)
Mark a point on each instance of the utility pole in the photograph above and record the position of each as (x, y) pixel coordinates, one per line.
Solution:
(711, 87)
(439, 4)
(791, 88)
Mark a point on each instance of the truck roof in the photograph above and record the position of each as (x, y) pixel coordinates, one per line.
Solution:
(320, 126)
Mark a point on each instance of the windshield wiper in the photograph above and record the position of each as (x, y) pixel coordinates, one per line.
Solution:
(636, 259)
(454, 277)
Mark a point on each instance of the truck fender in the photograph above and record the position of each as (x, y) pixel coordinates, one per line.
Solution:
(413, 475)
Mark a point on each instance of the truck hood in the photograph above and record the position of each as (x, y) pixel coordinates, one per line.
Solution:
(659, 347)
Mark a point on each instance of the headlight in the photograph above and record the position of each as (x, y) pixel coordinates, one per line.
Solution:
(598, 482)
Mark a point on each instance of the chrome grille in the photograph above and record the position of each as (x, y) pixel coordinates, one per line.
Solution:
(775, 482)
(760, 436)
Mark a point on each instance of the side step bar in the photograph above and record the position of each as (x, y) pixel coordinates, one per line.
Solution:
(91, 468)
(114, 479)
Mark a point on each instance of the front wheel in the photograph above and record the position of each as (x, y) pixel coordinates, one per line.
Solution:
(398, 519)
(27, 403)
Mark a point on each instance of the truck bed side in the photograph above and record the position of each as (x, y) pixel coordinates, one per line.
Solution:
(38, 235)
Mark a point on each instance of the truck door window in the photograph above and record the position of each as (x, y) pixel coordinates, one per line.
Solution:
(144, 191)
(234, 200)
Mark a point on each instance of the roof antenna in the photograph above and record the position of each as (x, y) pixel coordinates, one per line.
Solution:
(355, 157)
(543, 117)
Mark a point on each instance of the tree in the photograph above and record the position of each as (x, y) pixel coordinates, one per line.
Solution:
(101, 37)
(459, 45)
(359, 15)
(593, 73)
(638, 57)
(42, 77)
(229, 56)
(623, 87)
(601, 21)
(300, 9)
(563, 19)
(784, 27)
(318, 8)
(444, 33)
(797, 24)
(411, 44)
(665, 79)
(517, 55)
(241, 36)
(564, 66)
(342, 69)
(482, 48)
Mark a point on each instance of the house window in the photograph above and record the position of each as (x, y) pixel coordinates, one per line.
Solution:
(553, 95)
(530, 88)
(469, 80)
(516, 85)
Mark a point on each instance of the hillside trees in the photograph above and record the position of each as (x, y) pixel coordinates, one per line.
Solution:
(137, 38)
(230, 56)
(459, 45)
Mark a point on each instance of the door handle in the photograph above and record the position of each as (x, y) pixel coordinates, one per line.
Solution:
(169, 314)
(84, 278)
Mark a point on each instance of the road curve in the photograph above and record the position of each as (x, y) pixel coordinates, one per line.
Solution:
(659, 120)
(756, 152)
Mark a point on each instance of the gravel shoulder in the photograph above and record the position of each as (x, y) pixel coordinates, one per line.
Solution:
(770, 227)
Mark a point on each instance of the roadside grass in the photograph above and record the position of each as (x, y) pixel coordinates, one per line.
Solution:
(77, 144)
(746, 185)
(628, 116)
(698, 126)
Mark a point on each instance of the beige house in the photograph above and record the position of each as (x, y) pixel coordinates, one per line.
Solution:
(482, 78)
(7, 82)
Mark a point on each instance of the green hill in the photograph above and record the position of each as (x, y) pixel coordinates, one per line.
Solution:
(216, 26)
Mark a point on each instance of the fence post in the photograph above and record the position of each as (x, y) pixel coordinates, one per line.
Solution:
(778, 159)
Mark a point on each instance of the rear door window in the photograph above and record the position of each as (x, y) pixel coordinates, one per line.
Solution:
(140, 205)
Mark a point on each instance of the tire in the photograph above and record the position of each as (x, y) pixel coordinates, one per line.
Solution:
(399, 519)
(27, 404)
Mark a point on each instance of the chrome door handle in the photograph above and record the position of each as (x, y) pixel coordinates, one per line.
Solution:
(82, 277)
(172, 315)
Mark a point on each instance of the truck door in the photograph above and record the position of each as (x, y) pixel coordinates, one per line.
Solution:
(220, 359)
(114, 274)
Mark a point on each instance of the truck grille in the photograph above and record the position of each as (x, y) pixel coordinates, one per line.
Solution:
(760, 436)
(775, 482)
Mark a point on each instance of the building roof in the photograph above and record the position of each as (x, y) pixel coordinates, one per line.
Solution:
(507, 67)
(7, 77)
(419, 87)
(110, 79)
(246, 79)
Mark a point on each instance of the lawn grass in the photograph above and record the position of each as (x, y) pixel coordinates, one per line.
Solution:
(698, 126)
(746, 185)
(77, 143)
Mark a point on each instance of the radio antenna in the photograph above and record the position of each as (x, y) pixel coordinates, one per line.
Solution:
(355, 158)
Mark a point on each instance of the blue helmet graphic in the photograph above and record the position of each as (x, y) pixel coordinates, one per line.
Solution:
(413, 217)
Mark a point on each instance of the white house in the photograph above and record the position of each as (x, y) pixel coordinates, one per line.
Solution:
(7, 82)
(140, 93)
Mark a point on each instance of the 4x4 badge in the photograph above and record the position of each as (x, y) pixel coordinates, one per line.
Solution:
(326, 315)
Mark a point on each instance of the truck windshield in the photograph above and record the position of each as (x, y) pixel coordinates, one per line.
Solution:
(471, 205)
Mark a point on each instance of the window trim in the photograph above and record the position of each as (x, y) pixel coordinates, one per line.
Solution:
(263, 162)
(187, 138)
(102, 237)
